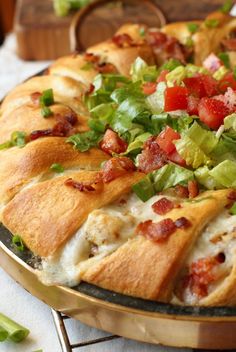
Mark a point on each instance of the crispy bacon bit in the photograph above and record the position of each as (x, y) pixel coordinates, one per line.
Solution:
(112, 143)
(182, 223)
(35, 98)
(229, 44)
(82, 187)
(168, 47)
(90, 89)
(202, 274)
(63, 128)
(106, 68)
(152, 156)
(163, 206)
(90, 57)
(114, 168)
(123, 40)
(232, 196)
(181, 191)
(156, 232)
(193, 189)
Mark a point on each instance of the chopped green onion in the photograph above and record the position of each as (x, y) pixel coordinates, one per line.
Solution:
(88, 66)
(47, 98)
(224, 57)
(3, 334)
(144, 189)
(193, 27)
(18, 243)
(18, 139)
(212, 23)
(226, 7)
(16, 332)
(142, 32)
(233, 209)
(189, 42)
(57, 168)
(46, 111)
(85, 140)
(6, 145)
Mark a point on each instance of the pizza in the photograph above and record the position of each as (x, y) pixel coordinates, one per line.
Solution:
(118, 165)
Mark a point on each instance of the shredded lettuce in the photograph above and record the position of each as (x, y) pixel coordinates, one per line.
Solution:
(85, 140)
(156, 100)
(230, 122)
(177, 75)
(225, 173)
(137, 144)
(205, 179)
(140, 71)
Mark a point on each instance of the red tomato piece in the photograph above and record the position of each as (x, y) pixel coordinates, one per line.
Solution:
(201, 86)
(165, 139)
(193, 102)
(162, 76)
(210, 85)
(112, 143)
(227, 81)
(176, 158)
(149, 87)
(176, 98)
(212, 112)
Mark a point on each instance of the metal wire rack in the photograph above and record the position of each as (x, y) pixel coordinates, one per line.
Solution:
(63, 336)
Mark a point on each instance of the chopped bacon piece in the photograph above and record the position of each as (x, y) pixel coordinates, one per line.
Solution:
(106, 68)
(90, 57)
(112, 143)
(116, 167)
(35, 97)
(63, 128)
(156, 232)
(82, 187)
(149, 88)
(181, 191)
(123, 40)
(90, 89)
(163, 206)
(193, 189)
(232, 195)
(202, 274)
(156, 38)
(152, 156)
(182, 223)
(229, 44)
(212, 63)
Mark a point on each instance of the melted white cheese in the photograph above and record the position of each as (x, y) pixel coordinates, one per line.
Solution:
(105, 230)
(218, 237)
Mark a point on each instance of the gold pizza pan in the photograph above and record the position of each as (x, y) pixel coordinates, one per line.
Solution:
(153, 322)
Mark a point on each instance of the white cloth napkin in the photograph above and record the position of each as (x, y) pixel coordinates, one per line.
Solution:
(18, 304)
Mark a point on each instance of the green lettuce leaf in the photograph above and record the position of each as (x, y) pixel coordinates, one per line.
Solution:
(85, 140)
(206, 140)
(205, 179)
(225, 173)
(156, 100)
(140, 71)
(137, 144)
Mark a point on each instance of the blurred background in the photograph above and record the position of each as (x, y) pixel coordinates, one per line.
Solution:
(42, 27)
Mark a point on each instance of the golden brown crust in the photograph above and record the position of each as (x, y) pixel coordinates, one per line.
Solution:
(146, 269)
(20, 165)
(28, 118)
(51, 212)
(66, 91)
(74, 66)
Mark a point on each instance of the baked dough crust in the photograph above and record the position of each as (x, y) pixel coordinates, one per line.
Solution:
(51, 212)
(146, 269)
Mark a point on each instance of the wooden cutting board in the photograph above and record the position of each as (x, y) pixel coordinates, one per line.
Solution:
(41, 35)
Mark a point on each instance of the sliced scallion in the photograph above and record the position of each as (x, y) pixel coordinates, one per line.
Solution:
(212, 23)
(16, 332)
(3, 334)
(57, 168)
(47, 97)
(46, 111)
(193, 27)
(18, 243)
(224, 57)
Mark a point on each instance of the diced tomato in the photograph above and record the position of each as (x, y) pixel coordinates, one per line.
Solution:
(212, 112)
(192, 107)
(212, 63)
(176, 98)
(149, 87)
(112, 143)
(227, 81)
(201, 85)
(165, 139)
(176, 158)
(162, 76)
